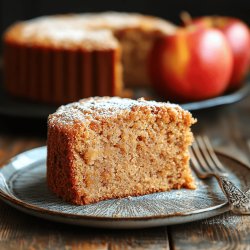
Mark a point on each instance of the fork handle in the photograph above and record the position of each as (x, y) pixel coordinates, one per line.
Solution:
(238, 200)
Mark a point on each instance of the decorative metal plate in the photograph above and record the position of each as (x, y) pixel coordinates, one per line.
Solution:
(23, 186)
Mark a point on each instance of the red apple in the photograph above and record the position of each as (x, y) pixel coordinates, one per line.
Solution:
(190, 65)
(238, 36)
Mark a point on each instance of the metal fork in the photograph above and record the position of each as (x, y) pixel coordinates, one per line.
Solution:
(206, 164)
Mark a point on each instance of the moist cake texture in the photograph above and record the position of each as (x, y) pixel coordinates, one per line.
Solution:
(101, 148)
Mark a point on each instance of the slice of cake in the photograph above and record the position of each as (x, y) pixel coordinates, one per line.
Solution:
(103, 148)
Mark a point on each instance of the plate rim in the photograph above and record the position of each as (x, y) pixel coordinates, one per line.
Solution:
(227, 98)
(43, 212)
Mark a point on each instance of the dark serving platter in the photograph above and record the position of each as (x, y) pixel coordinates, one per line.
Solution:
(225, 99)
(20, 108)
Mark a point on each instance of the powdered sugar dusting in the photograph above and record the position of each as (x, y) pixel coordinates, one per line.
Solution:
(110, 19)
(75, 28)
(89, 109)
(64, 34)
(73, 34)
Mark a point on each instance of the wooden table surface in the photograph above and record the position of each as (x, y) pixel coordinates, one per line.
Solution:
(229, 129)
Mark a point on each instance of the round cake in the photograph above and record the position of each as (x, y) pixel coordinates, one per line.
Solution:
(63, 58)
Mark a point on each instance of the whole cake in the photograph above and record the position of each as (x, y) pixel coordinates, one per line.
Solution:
(63, 58)
(102, 148)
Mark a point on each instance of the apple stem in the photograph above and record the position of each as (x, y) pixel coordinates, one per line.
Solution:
(186, 18)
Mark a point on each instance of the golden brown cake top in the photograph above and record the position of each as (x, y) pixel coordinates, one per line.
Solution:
(95, 108)
(83, 30)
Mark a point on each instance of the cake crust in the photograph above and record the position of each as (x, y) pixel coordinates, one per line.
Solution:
(104, 148)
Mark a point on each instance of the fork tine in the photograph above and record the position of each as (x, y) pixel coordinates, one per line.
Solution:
(199, 157)
(206, 154)
(195, 163)
(212, 154)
